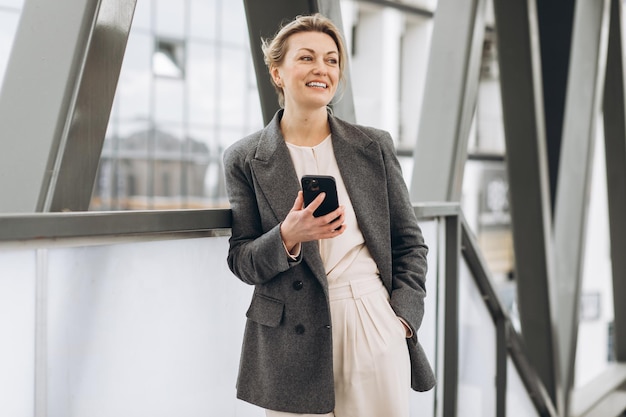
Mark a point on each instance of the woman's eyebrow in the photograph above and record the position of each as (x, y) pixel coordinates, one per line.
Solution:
(313, 51)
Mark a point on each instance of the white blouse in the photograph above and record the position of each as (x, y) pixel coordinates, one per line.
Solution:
(345, 257)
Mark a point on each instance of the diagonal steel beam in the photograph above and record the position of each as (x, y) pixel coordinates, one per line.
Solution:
(56, 100)
(264, 18)
(615, 150)
(449, 100)
(582, 108)
(555, 20)
(522, 104)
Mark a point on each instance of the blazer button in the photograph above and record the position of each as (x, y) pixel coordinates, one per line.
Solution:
(299, 329)
(298, 285)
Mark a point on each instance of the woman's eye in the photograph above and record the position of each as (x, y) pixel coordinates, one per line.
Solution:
(332, 61)
(306, 58)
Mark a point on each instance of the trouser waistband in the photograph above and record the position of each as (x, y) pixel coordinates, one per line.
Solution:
(355, 289)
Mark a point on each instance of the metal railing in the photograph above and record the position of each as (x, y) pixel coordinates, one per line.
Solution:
(459, 241)
(458, 245)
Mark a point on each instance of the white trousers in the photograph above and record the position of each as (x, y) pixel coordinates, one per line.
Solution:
(370, 355)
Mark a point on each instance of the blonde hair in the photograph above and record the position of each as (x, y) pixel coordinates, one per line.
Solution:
(274, 48)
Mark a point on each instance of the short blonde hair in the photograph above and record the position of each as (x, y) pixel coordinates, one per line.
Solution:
(275, 48)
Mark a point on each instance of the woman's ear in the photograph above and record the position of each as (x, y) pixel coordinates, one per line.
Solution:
(276, 76)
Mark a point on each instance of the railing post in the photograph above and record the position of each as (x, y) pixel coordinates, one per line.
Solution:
(501, 365)
(452, 256)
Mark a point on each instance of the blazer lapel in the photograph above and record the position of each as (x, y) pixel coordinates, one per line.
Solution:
(277, 180)
(363, 171)
(274, 171)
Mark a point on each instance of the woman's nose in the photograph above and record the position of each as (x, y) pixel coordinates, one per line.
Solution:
(320, 67)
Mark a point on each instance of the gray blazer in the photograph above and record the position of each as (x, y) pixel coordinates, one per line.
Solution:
(286, 360)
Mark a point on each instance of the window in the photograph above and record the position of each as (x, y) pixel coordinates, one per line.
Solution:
(168, 59)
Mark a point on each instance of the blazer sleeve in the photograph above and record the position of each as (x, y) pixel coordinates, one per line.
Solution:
(256, 253)
(407, 245)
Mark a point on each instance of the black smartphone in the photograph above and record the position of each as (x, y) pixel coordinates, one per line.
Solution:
(312, 185)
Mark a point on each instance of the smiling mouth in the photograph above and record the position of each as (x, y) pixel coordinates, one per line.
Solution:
(316, 84)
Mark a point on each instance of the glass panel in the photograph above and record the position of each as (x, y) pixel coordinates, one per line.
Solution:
(17, 327)
(132, 336)
(254, 116)
(518, 403)
(168, 59)
(122, 168)
(233, 23)
(485, 203)
(477, 351)
(596, 307)
(121, 327)
(168, 160)
(137, 170)
(232, 95)
(202, 83)
(170, 18)
(132, 97)
(208, 167)
(143, 16)
(203, 19)
(228, 136)
(169, 99)
(423, 403)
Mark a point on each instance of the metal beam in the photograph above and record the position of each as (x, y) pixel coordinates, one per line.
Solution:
(615, 150)
(449, 100)
(522, 106)
(555, 19)
(56, 100)
(582, 107)
(57, 226)
(42, 226)
(264, 19)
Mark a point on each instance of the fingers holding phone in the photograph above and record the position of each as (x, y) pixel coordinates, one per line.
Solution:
(301, 225)
(333, 221)
(320, 197)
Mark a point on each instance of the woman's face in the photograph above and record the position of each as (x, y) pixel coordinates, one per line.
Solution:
(309, 73)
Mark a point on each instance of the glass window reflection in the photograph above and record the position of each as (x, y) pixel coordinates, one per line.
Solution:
(172, 82)
(170, 17)
(201, 26)
(202, 83)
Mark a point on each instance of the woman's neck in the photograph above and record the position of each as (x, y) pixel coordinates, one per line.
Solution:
(305, 129)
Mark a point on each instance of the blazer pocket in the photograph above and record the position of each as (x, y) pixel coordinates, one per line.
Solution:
(265, 310)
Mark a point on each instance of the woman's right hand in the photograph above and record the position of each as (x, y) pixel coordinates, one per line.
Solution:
(301, 226)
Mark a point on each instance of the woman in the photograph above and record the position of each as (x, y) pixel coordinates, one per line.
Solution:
(338, 299)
